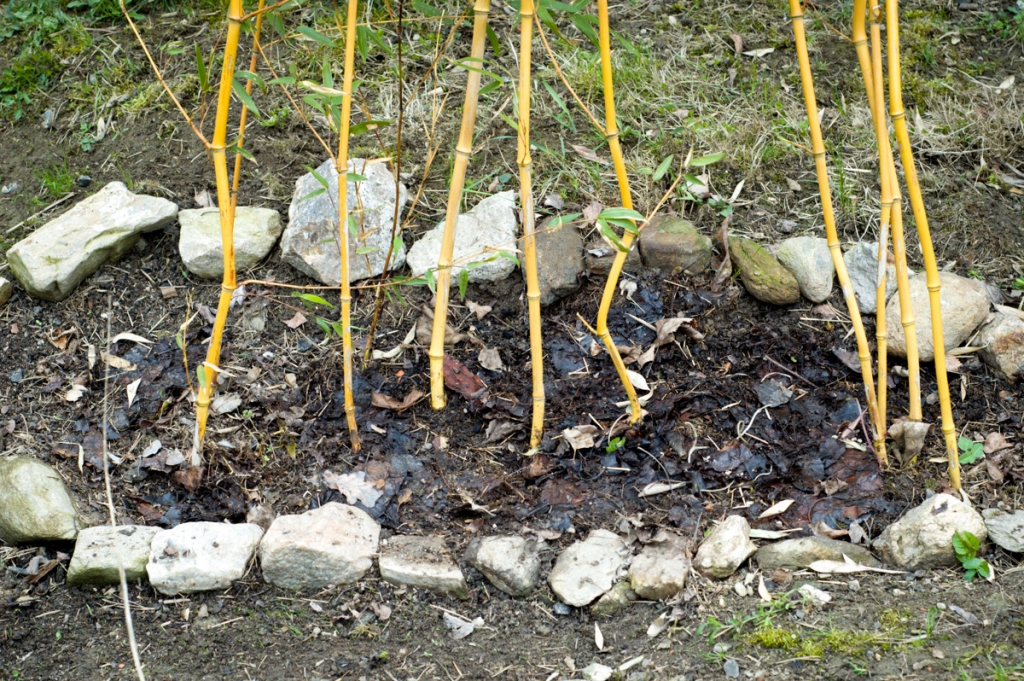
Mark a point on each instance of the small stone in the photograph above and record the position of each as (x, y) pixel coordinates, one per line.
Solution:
(725, 548)
(1005, 529)
(816, 595)
(796, 554)
(480, 234)
(58, 256)
(83, 181)
(672, 244)
(1001, 342)
(588, 568)
(596, 672)
(200, 556)
(9, 188)
(731, 669)
(35, 506)
(618, 599)
(202, 250)
(810, 262)
(559, 261)
(422, 562)
(99, 551)
(762, 275)
(964, 306)
(862, 266)
(923, 537)
(562, 609)
(853, 585)
(659, 572)
(510, 563)
(330, 545)
(599, 256)
(6, 290)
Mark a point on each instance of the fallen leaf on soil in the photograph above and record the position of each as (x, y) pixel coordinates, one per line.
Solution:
(387, 402)
(592, 210)
(355, 487)
(225, 404)
(190, 477)
(835, 567)
(135, 338)
(665, 329)
(490, 359)
(555, 201)
(756, 533)
(398, 349)
(821, 529)
(909, 437)
(737, 42)
(558, 492)
(963, 614)
(425, 330)
(540, 464)
(459, 378)
(75, 393)
(175, 458)
(580, 437)
(659, 625)
(499, 430)
(660, 488)
(776, 509)
(459, 627)
(995, 442)
(296, 321)
(756, 54)
(203, 199)
(762, 590)
(849, 359)
(479, 310)
(152, 448)
(598, 637)
(857, 533)
(588, 154)
(993, 471)
(118, 362)
(132, 390)
(638, 381)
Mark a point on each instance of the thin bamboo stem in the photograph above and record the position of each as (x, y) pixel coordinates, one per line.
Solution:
(896, 112)
(529, 219)
(881, 135)
(218, 150)
(612, 135)
(818, 150)
(462, 153)
(245, 110)
(341, 165)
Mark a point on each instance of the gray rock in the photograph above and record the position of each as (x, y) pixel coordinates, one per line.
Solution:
(35, 506)
(762, 275)
(1002, 343)
(6, 290)
(725, 548)
(796, 554)
(422, 562)
(201, 248)
(58, 256)
(559, 261)
(672, 244)
(510, 563)
(310, 242)
(964, 307)
(200, 556)
(659, 572)
(480, 234)
(862, 265)
(587, 569)
(615, 601)
(100, 550)
(1005, 529)
(599, 256)
(923, 537)
(809, 260)
(331, 545)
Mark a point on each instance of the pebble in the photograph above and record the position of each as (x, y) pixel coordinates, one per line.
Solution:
(35, 506)
(809, 261)
(6, 290)
(511, 563)
(83, 181)
(731, 669)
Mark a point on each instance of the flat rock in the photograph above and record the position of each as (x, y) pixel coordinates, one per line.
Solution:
(1005, 529)
(809, 260)
(796, 554)
(331, 545)
(659, 572)
(1002, 345)
(256, 231)
(510, 563)
(725, 548)
(599, 256)
(964, 306)
(763, 276)
(480, 234)
(35, 506)
(673, 245)
(587, 569)
(862, 266)
(923, 537)
(58, 256)
(559, 261)
(6, 290)
(422, 562)
(310, 242)
(100, 550)
(615, 601)
(200, 556)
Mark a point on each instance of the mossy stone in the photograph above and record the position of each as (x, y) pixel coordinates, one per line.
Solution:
(762, 274)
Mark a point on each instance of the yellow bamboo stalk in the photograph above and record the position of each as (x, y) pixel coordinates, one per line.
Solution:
(462, 153)
(218, 150)
(525, 161)
(341, 166)
(612, 135)
(896, 112)
(818, 149)
(245, 110)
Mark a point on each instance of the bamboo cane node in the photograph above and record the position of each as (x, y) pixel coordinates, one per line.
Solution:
(935, 288)
(818, 154)
(228, 289)
(460, 153)
(612, 135)
(897, 115)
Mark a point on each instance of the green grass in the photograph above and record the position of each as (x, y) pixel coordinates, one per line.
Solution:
(56, 180)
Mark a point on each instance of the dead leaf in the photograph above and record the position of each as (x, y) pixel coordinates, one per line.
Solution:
(296, 321)
(589, 154)
(995, 442)
(425, 330)
(459, 378)
(75, 393)
(168, 292)
(762, 590)
(757, 54)
(776, 509)
(953, 364)
(226, 403)
(355, 487)
(909, 437)
(835, 567)
(665, 330)
(132, 390)
(592, 210)
(849, 359)
(479, 310)
(993, 471)
(458, 627)
(660, 488)
(152, 448)
(737, 42)
(824, 311)
(659, 625)
(490, 359)
(387, 402)
(118, 362)
(560, 492)
(638, 381)
(135, 338)
(857, 533)
(190, 477)
(821, 529)
(555, 201)
(1007, 83)
(598, 637)
(204, 200)
(540, 464)
(580, 437)
(499, 430)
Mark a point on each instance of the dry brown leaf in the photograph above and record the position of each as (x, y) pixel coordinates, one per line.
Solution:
(387, 402)
(189, 478)
(995, 442)
(589, 154)
(132, 390)
(490, 359)
(592, 210)
(459, 378)
(762, 590)
(479, 310)
(425, 330)
(75, 393)
(737, 42)
(118, 362)
(580, 437)
(849, 359)
(296, 321)
(823, 530)
(776, 509)
(355, 487)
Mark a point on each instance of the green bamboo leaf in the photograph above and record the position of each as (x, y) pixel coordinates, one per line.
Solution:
(463, 283)
(249, 75)
(244, 96)
(609, 233)
(204, 78)
(318, 177)
(315, 35)
(707, 160)
(662, 168)
(431, 284)
(620, 214)
(314, 193)
(326, 72)
(563, 220)
(425, 9)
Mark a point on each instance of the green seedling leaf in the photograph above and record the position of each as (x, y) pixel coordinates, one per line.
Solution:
(201, 376)
(283, 80)
(314, 193)
(311, 299)
(490, 87)
(707, 160)
(319, 178)
(249, 75)
(204, 78)
(242, 151)
(620, 214)
(662, 168)
(325, 70)
(240, 92)
(425, 9)
(509, 256)
(315, 35)
(366, 249)
(609, 233)
(397, 244)
(492, 38)
(366, 126)
(463, 283)
(431, 284)
(563, 220)
(970, 451)
(324, 325)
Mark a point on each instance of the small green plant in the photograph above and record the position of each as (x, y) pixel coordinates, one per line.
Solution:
(966, 546)
(57, 180)
(1018, 284)
(970, 451)
(615, 444)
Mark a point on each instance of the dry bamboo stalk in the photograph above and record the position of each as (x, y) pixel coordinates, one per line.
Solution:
(462, 153)
(896, 112)
(818, 149)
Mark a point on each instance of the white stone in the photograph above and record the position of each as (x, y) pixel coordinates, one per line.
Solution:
(595, 671)
(815, 595)
(1005, 529)
(1002, 345)
(6, 290)
(659, 572)
(202, 250)
(862, 265)
(422, 562)
(200, 556)
(58, 256)
(330, 545)
(510, 563)
(923, 537)
(725, 548)
(310, 242)
(810, 262)
(587, 569)
(100, 550)
(35, 506)
(480, 234)
(964, 306)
